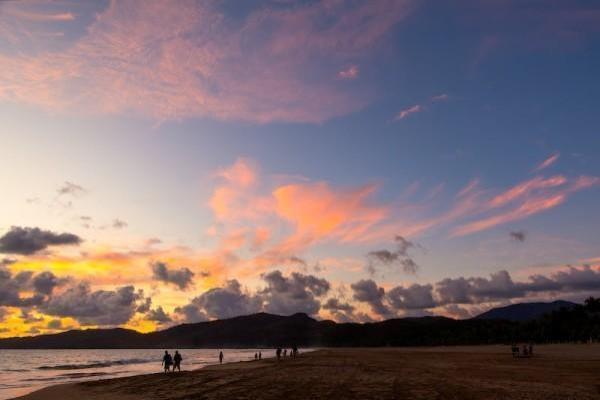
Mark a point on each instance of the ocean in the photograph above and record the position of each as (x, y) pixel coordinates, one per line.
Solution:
(24, 371)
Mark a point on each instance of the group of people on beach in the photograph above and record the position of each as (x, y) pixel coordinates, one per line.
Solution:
(525, 351)
(173, 362)
(293, 352)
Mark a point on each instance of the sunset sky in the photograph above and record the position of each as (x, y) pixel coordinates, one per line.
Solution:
(168, 162)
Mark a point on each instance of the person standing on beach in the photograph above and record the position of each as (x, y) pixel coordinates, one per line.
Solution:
(278, 353)
(167, 361)
(220, 357)
(177, 361)
(259, 355)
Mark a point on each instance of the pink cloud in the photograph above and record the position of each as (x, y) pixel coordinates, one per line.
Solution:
(39, 17)
(405, 113)
(164, 62)
(529, 198)
(547, 162)
(525, 188)
(349, 73)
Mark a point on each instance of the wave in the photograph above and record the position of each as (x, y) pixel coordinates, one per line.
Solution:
(98, 364)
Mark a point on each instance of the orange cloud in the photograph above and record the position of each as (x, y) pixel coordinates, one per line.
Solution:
(299, 215)
(235, 198)
(317, 210)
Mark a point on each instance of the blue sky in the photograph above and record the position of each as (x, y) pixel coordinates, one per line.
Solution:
(324, 129)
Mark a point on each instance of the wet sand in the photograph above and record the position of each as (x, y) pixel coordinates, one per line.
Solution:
(469, 372)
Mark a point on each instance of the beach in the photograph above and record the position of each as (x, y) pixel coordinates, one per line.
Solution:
(465, 372)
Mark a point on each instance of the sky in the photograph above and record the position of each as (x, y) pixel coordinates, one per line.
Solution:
(167, 162)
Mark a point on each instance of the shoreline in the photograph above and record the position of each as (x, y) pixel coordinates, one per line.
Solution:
(466, 372)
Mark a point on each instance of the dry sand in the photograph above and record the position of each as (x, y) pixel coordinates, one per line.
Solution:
(474, 372)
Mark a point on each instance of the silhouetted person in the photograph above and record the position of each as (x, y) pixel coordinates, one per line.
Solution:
(515, 350)
(284, 353)
(177, 361)
(295, 351)
(255, 356)
(278, 353)
(167, 361)
(220, 357)
(259, 355)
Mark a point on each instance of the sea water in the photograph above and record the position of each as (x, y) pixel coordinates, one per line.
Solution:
(23, 371)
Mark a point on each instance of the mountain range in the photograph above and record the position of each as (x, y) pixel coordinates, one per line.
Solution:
(268, 330)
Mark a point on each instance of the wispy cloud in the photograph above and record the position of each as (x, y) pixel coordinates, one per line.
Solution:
(406, 112)
(547, 162)
(529, 198)
(349, 73)
(187, 61)
(294, 216)
(440, 97)
(40, 17)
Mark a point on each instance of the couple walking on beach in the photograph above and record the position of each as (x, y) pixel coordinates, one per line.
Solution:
(174, 360)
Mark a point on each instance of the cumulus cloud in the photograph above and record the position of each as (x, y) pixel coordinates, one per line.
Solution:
(119, 224)
(223, 302)
(340, 310)
(99, 307)
(296, 293)
(71, 189)
(38, 286)
(4, 262)
(399, 256)
(282, 295)
(413, 297)
(45, 282)
(450, 295)
(367, 291)
(54, 324)
(27, 241)
(181, 277)
(158, 315)
(3, 313)
(519, 236)
(191, 313)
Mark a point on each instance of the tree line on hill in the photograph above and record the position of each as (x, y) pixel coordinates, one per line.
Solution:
(579, 323)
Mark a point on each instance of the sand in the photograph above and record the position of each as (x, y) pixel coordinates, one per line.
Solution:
(474, 372)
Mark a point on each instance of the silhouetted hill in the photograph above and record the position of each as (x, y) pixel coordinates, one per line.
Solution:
(572, 323)
(525, 311)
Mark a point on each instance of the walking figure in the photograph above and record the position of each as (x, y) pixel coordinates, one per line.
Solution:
(167, 361)
(177, 361)
(220, 357)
